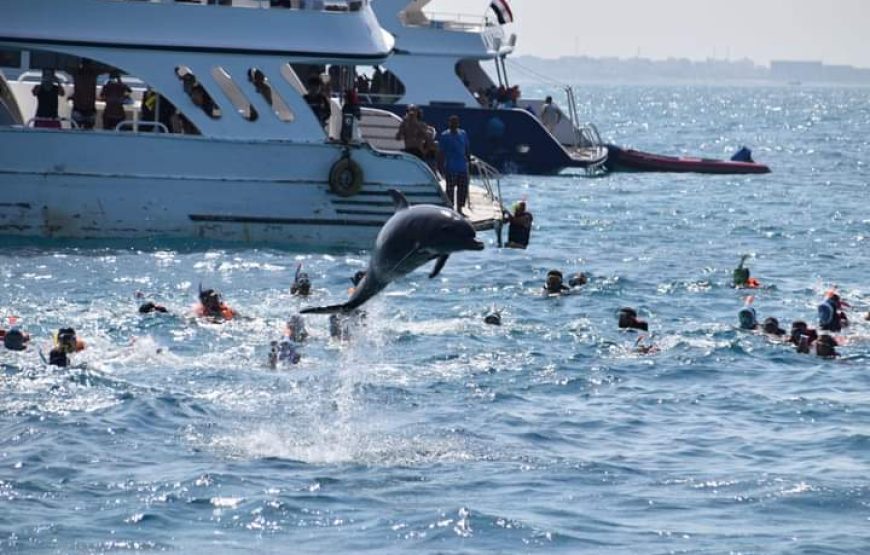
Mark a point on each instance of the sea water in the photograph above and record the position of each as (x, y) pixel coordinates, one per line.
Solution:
(431, 432)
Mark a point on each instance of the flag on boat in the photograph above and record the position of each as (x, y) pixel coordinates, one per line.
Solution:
(502, 11)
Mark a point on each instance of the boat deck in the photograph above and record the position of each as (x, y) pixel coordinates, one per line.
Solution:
(483, 211)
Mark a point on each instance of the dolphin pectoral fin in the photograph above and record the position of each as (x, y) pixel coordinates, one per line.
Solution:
(399, 200)
(442, 260)
(334, 309)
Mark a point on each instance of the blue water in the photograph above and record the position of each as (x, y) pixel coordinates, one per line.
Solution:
(430, 432)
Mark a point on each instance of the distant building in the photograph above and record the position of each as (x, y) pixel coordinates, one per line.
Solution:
(781, 70)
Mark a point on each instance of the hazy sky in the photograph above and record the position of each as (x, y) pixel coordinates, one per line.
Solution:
(834, 31)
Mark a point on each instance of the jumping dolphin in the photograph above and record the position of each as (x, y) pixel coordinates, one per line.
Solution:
(413, 236)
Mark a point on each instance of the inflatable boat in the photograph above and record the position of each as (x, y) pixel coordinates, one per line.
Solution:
(629, 160)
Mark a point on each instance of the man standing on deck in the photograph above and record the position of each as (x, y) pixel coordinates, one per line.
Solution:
(550, 115)
(454, 156)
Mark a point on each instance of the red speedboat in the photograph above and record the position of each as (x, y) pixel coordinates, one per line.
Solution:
(629, 160)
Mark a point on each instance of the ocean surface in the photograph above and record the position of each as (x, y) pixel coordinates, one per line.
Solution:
(431, 432)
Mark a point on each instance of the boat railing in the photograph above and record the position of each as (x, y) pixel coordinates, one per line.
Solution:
(135, 125)
(309, 5)
(39, 123)
(489, 179)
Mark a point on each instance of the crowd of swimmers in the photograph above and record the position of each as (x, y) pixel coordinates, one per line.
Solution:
(832, 319)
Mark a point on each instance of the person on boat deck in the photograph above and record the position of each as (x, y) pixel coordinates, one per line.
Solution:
(519, 226)
(832, 318)
(84, 98)
(550, 115)
(628, 320)
(156, 107)
(212, 306)
(66, 342)
(47, 92)
(414, 132)
(454, 155)
(802, 336)
(14, 339)
(555, 285)
(351, 113)
(741, 276)
(318, 100)
(261, 85)
(115, 93)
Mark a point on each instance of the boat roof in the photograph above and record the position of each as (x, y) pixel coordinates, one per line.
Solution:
(318, 34)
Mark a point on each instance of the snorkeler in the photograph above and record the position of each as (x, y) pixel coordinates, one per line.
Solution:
(301, 283)
(628, 320)
(149, 307)
(802, 336)
(212, 306)
(747, 317)
(741, 276)
(286, 350)
(770, 326)
(65, 343)
(578, 280)
(493, 317)
(831, 315)
(555, 284)
(826, 346)
(14, 339)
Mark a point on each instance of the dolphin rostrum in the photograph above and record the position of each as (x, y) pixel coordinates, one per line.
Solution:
(413, 236)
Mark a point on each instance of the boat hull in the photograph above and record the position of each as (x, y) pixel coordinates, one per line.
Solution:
(629, 160)
(96, 185)
(511, 140)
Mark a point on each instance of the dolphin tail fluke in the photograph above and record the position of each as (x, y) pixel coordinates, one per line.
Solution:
(442, 260)
(334, 309)
(399, 200)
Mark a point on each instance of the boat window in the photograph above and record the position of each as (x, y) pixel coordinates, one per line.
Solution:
(234, 94)
(272, 97)
(197, 93)
(380, 86)
(291, 77)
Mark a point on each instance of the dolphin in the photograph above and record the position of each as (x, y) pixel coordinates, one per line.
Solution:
(412, 236)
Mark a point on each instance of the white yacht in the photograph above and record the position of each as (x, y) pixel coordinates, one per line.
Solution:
(216, 142)
(439, 65)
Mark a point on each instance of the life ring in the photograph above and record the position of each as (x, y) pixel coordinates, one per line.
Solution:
(345, 178)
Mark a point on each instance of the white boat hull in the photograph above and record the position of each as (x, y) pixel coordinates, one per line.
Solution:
(94, 185)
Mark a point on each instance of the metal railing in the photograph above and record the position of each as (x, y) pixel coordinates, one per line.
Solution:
(450, 21)
(60, 121)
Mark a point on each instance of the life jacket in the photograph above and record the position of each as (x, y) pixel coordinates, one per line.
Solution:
(15, 340)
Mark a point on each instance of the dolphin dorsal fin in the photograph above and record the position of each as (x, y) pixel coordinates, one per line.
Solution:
(399, 200)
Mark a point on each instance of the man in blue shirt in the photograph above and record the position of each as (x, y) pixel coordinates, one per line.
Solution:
(454, 154)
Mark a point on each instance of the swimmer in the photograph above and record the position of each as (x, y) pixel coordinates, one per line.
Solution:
(149, 307)
(493, 317)
(555, 284)
(645, 348)
(340, 324)
(14, 339)
(301, 283)
(65, 343)
(802, 336)
(831, 315)
(283, 351)
(212, 306)
(741, 276)
(826, 346)
(578, 280)
(358, 277)
(294, 330)
(770, 326)
(747, 317)
(628, 320)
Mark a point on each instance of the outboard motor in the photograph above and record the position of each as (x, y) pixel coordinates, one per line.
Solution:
(743, 155)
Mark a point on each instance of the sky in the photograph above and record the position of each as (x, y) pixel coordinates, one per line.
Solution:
(832, 31)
